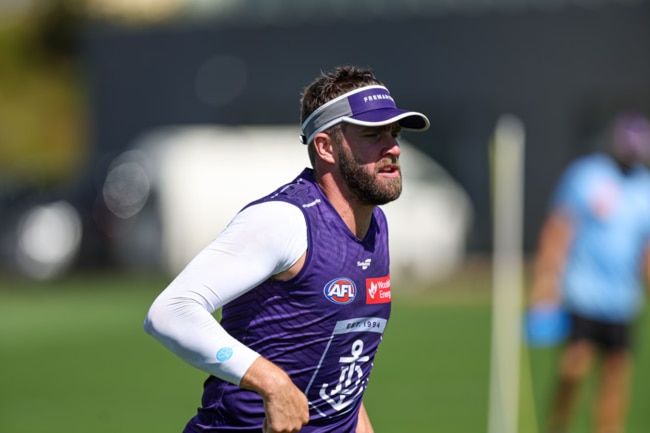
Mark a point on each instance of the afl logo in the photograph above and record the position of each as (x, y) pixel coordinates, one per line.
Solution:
(340, 291)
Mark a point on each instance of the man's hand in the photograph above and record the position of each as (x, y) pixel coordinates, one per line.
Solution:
(285, 405)
(552, 251)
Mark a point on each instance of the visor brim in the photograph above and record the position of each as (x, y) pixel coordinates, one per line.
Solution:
(410, 120)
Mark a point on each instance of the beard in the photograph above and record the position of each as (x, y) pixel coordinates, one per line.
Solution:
(365, 186)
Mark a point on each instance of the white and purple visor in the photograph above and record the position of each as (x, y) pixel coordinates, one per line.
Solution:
(366, 106)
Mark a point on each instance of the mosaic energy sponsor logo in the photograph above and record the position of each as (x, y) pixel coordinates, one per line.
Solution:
(378, 290)
(340, 291)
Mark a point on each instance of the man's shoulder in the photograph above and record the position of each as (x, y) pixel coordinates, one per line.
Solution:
(590, 165)
(592, 160)
(290, 191)
(643, 172)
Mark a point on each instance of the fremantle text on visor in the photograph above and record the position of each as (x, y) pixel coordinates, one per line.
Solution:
(365, 106)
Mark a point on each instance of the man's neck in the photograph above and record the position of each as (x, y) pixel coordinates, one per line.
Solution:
(356, 216)
(625, 167)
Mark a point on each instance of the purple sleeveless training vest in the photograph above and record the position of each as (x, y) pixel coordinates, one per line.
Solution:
(323, 327)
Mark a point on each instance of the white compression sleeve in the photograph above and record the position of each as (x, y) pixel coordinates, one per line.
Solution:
(259, 242)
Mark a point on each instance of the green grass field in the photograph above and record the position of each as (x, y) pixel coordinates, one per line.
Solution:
(74, 359)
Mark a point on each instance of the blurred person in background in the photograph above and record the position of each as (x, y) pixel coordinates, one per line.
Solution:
(593, 255)
(302, 275)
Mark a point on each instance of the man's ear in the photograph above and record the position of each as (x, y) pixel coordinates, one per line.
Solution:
(324, 146)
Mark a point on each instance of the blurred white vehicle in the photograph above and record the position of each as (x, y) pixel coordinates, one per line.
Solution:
(191, 180)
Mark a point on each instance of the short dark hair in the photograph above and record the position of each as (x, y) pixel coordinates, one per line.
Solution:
(328, 86)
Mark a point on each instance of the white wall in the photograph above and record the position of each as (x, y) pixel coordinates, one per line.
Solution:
(205, 174)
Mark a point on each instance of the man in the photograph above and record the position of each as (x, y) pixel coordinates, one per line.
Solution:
(593, 248)
(302, 275)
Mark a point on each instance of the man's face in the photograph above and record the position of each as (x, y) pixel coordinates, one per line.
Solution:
(369, 163)
(631, 139)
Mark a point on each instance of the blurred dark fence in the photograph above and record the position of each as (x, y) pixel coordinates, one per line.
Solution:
(563, 72)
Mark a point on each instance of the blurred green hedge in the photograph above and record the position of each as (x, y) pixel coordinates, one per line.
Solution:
(42, 113)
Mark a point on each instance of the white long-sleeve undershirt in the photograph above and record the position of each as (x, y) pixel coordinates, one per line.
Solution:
(261, 241)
